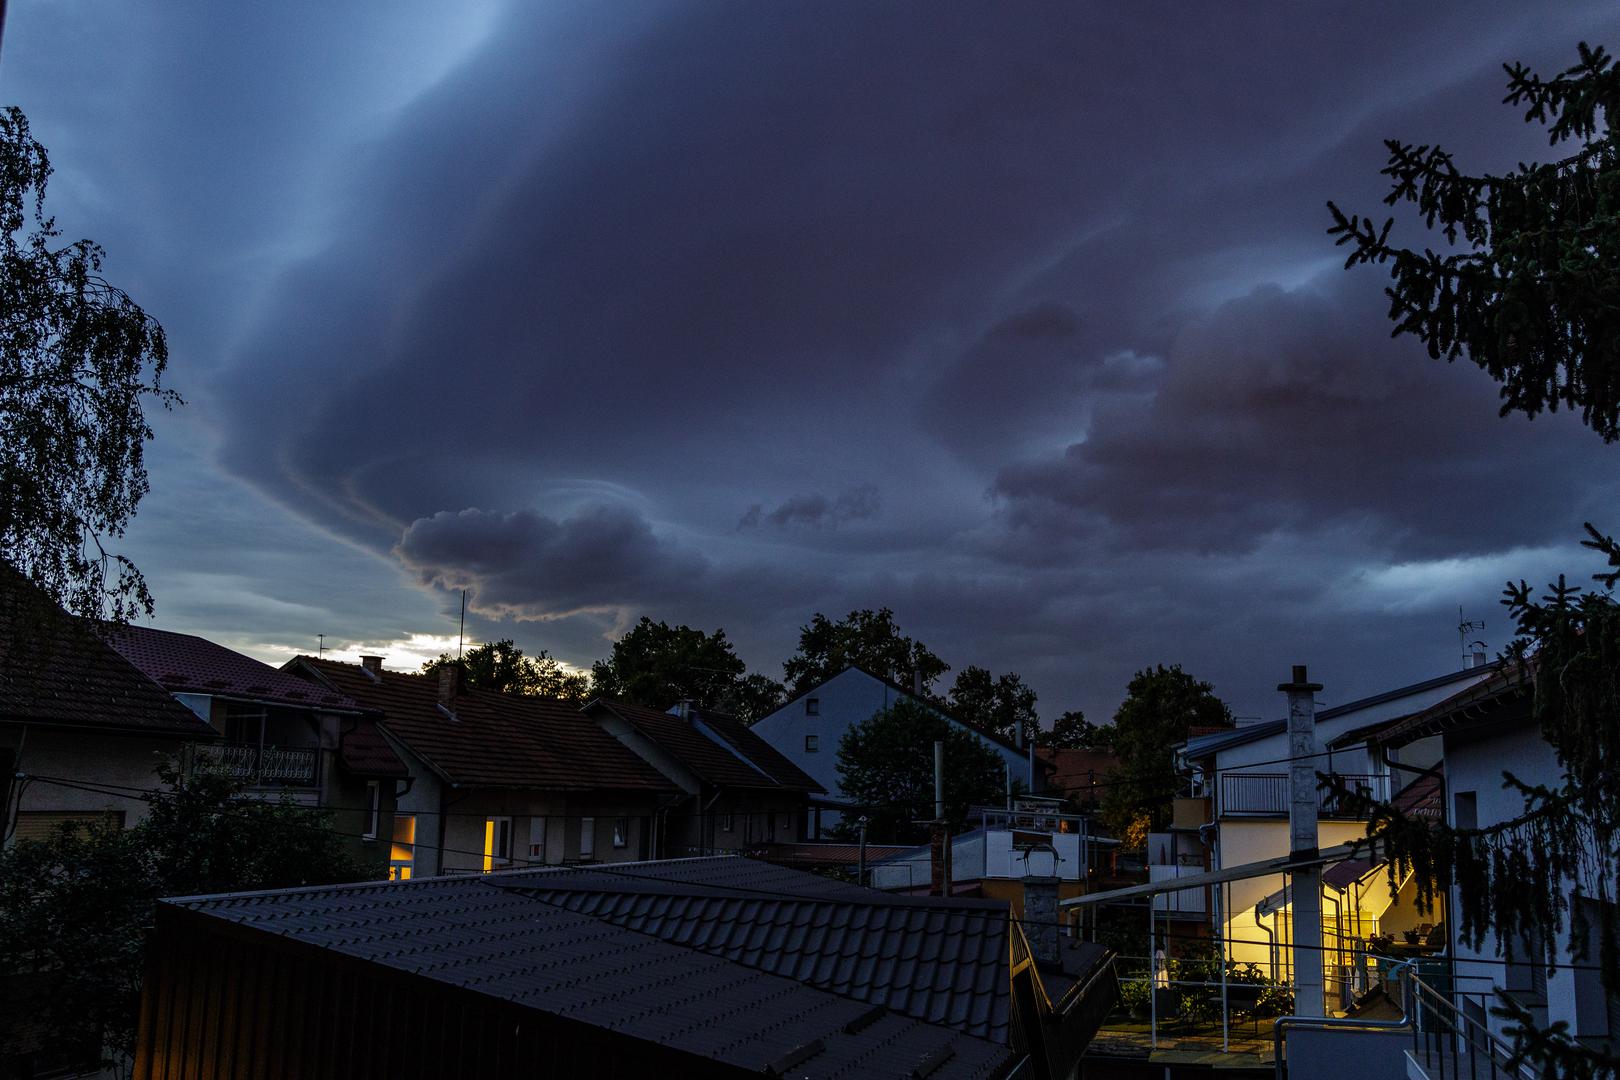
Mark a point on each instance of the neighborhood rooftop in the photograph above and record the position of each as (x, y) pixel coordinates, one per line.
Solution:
(487, 739)
(186, 664)
(757, 967)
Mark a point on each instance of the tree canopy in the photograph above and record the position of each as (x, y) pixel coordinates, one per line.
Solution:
(867, 638)
(1001, 705)
(502, 666)
(79, 360)
(886, 765)
(1072, 731)
(1162, 705)
(1525, 284)
(656, 665)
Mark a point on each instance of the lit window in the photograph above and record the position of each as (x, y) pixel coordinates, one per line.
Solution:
(497, 842)
(402, 856)
(812, 743)
(537, 839)
(812, 706)
(587, 837)
(621, 832)
(373, 807)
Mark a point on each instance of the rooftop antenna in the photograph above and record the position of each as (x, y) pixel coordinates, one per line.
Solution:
(461, 634)
(320, 646)
(1464, 628)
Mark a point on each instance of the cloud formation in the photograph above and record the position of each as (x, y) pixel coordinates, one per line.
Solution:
(1019, 320)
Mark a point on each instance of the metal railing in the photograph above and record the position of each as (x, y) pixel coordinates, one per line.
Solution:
(1266, 794)
(1450, 1045)
(289, 766)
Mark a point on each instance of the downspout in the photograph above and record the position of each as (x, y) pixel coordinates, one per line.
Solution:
(1271, 943)
(706, 822)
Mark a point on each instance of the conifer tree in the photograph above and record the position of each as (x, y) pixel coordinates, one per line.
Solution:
(1527, 288)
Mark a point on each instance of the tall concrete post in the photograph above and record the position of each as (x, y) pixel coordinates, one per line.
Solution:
(1310, 998)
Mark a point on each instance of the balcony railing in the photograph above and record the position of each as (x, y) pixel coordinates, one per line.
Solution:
(1266, 794)
(279, 766)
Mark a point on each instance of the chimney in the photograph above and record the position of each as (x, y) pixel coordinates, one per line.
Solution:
(372, 665)
(1041, 919)
(683, 708)
(449, 683)
(1306, 883)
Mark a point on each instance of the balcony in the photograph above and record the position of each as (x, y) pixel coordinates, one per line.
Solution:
(267, 766)
(1266, 795)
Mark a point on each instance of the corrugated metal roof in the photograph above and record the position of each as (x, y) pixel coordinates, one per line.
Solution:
(495, 934)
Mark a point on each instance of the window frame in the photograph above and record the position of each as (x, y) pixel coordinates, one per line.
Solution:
(497, 842)
(621, 832)
(812, 744)
(402, 867)
(812, 706)
(373, 810)
(537, 828)
(587, 837)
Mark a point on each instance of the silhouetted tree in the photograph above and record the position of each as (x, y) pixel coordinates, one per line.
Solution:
(1001, 705)
(866, 638)
(502, 666)
(1162, 705)
(657, 665)
(1072, 731)
(78, 360)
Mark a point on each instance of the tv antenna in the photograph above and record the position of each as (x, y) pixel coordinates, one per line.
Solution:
(1464, 628)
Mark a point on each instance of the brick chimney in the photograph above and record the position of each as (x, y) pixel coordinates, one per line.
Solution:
(372, 665)
(449, 683)
(1041, 919)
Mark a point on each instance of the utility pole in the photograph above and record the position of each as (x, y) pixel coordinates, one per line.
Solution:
(1310, 997)
(860, 876)
(939, 832)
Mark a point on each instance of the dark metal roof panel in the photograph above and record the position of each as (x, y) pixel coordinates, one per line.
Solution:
(467, 932)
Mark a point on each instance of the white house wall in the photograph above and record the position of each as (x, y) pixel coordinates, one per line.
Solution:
(1476, 764)
(122, 762)
(843, 701)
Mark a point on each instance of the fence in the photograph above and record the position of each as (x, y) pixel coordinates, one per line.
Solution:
(1266, 794)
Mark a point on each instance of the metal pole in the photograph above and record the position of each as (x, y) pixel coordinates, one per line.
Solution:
(939, 780)
(1309, 985)
(1153, 982)
(860, 878)
(1226, 1020)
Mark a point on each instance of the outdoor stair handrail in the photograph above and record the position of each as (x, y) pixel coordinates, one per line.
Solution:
(1332, 1023)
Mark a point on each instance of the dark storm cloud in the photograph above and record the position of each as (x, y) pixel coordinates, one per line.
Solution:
(524, 562)
(622, 271)
(1291, 411)
(815, 510)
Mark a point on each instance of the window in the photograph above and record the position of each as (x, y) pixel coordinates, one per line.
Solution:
(402, 856)
(727, 824)
(812, 706)
(373, 808)
(770, 828)
(587, 837)
(537, 839)
(1465, 810)
(812, 743)
(621, 832)
(497, 842)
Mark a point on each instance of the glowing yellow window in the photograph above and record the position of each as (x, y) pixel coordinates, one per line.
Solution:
(402, 856)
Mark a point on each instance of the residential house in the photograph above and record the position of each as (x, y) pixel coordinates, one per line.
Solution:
(1081, 776)
(501, 780)
(1486, 730)
(83, 728)
(1237, 816)
(284, 736)
(740, 793)
(707, 967)
(808, 728)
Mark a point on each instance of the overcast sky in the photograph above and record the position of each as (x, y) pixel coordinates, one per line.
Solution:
(1019, 319)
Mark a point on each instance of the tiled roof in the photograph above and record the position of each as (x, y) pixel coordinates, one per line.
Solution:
(494, 740)
(1502, 695)
(825, 854)
(55, 670)
(187, 664)
(1423, 797)
(712, 761)
(743, 739)
(364, 752)
(496, 935)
